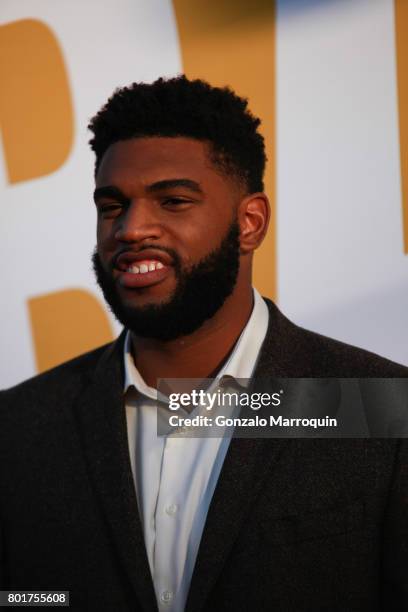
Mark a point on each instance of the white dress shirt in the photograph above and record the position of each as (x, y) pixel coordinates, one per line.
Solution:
(175, 476)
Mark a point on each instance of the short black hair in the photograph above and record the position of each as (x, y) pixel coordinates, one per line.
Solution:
(191, 108)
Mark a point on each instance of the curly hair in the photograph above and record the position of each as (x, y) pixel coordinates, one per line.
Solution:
(190, 108)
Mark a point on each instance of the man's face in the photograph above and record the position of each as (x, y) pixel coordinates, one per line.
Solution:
(167, 239)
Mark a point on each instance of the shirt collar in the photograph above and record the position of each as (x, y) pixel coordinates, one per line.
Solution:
(240, 364)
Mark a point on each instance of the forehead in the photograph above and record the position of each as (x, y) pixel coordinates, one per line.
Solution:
(150, 159)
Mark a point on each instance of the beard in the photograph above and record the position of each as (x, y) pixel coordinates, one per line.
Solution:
(200, 292)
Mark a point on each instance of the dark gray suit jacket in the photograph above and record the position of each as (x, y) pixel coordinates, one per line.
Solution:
(294, 525)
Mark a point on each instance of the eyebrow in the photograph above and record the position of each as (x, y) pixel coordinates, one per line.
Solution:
(176, 182)
(110, 191)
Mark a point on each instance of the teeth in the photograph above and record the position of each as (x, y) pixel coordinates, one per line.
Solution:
(133, 269)
(145, 267)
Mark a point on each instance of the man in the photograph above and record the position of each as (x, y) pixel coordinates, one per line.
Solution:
(93, 501)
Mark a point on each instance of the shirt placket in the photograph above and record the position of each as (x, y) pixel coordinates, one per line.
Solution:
(168, 520)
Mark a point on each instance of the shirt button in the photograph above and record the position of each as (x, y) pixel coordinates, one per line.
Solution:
(166, 597)
(171, 509)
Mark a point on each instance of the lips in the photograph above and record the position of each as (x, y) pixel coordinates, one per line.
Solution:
(127, 259)
(143, 268)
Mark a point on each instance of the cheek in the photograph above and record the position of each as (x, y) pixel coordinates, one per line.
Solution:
(192, 247)
(104, 234)
(197, 249)
(201, 239)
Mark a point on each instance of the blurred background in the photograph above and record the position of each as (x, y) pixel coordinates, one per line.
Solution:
(329, 78)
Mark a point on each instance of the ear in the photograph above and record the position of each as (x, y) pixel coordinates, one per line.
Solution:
(253, 217)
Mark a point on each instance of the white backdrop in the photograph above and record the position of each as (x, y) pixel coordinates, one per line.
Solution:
(341, 267)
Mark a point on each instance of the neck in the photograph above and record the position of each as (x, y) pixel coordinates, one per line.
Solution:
(202, 353)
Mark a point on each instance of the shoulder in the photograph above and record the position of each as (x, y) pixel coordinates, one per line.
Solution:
(303, 353)
(38, 417)
(64, 379)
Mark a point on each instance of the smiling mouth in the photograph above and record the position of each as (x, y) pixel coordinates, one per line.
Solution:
(143, 267)
(144, 273)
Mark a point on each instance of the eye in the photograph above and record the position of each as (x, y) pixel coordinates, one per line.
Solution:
(113, 209)
(176, 202)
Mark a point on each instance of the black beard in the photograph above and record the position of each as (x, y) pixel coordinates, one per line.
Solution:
(199, 294)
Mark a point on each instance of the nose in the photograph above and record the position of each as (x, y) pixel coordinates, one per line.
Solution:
(140, 222)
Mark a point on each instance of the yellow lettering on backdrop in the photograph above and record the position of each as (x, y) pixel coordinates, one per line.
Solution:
(401, 27)
(232, 42)
(35, 101)
(65, 324)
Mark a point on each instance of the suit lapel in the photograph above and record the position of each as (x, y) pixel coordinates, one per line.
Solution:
(247, 463)
(102, 423)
